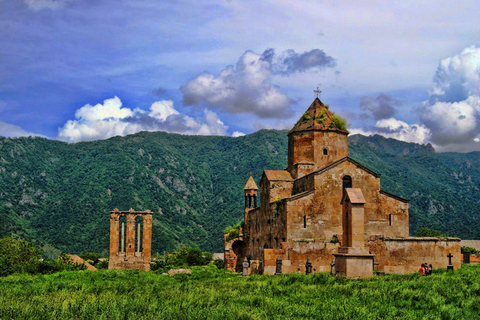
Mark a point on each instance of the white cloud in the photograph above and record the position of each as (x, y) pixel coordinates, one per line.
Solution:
(12, 131)
(237, 134)
(453, 122)
(400, 130)
(397, 129)
(161, 110)
(248, 87)
(244, 89)
(457, 77)
(46, 4)
(452, 113)
(361, 131)
(112, 119)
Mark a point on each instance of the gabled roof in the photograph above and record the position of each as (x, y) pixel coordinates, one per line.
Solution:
(251, 185)
(355, 195)
(391, 195)
(278, 175)
(336, 163)
(317, 117)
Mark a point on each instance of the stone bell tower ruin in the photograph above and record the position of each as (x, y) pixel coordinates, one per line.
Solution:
(130, 239)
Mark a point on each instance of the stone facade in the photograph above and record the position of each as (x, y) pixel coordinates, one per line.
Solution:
(302, 214)
(130, 239)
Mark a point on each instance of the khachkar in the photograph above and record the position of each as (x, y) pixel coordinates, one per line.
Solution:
(130, 239)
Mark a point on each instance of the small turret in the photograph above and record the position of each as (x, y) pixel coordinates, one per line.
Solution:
(251, 193)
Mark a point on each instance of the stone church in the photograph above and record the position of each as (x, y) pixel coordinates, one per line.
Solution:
(330, 209)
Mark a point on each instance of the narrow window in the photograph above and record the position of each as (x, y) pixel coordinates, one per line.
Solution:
(389, 219)
(325, 151)
(347, 183)
(304, 221)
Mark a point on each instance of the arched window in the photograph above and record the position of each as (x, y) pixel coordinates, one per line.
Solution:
(347, 183)
(390, 219)
(304, 221)
(325, 151)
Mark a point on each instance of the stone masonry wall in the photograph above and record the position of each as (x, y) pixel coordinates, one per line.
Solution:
(406, 255)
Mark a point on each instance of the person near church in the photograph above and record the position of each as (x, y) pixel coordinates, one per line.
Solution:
(422, 270)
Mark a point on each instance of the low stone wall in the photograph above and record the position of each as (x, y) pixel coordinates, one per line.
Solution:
(127, 262)
(294, 256)
(405, 255)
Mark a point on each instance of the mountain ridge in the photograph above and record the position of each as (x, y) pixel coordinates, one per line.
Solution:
(60, 194)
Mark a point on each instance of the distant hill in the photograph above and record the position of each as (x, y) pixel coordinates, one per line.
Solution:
(59, 195)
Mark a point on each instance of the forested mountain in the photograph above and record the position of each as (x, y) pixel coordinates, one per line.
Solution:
(59, 195)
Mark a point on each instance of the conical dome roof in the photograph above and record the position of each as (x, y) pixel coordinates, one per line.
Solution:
(251, 185)
(318, 117)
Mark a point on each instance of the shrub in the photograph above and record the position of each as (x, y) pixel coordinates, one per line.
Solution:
(470, 250)
(91, 257)
(219, 263)
(427, 232)
(102, 264)
(188, 256)
(17, 256)
(339, 122)
(233, 231)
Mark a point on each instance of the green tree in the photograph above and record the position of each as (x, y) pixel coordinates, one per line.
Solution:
(90, 257)
(17, 256)
(188, 256)
(427, 232)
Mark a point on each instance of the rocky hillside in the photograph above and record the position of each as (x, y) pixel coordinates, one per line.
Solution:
(59, 195)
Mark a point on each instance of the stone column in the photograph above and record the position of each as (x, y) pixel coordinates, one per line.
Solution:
(147, 236)
(122, 238)
(114, 233)
(130, 243)
(139, 234)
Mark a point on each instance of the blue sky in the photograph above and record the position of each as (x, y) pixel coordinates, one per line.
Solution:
(84, 70)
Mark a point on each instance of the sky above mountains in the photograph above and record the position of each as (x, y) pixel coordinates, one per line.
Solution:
(84, 70)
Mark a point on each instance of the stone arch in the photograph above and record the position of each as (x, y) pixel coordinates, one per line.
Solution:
(346, 183)
(239, 247)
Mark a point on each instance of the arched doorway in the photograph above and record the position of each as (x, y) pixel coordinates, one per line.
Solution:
(239, 247)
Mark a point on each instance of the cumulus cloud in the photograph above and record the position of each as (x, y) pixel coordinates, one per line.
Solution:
(453, 122)
(237, 134)
(457, 77)
(46, 4)
(381, 107)
(400, 130)
(397, 129)
(12, 131)
(247, 87)
(112, 119)
(452, 113)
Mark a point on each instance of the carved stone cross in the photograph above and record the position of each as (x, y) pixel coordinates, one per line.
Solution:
(450, 265)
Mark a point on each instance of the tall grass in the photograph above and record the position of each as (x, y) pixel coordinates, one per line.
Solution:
(209, 293)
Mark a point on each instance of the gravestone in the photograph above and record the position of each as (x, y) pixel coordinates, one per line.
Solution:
(245, 267)
(308, 266)
(278, 266)
(450, 266)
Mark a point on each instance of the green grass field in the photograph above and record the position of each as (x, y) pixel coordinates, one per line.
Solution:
(209, 293)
